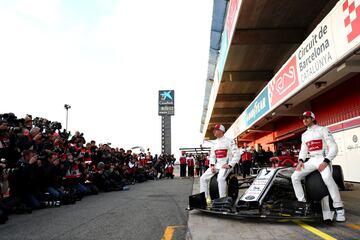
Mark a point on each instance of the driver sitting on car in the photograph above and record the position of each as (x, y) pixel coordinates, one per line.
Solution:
(223, 156)
(318, 142)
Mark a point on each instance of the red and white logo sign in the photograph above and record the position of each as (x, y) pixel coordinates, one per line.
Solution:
(314, 145)
(231, 17)
(284, 82)
(351, 11)
(221, 153)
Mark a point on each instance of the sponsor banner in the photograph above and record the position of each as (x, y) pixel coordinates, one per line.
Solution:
(166, 102)
(229, 29)
(257, 108)
(239, 125)
(166, 110)
(166, 97)
(231, 18)
(223, 54)
(317, 53)
(284, 82)
(345, 21)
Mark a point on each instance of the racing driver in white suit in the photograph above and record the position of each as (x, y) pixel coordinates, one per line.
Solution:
(318, 143)
(223, 156)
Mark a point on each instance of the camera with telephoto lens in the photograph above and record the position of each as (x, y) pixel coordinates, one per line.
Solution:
(15, 125)
(6, 170)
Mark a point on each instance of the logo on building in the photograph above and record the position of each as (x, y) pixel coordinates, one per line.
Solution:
(355, 138)
(351, 9)
(283, 82)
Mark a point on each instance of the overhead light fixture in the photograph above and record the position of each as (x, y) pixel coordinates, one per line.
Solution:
(230, 77)
(341, 67)
(320, 84)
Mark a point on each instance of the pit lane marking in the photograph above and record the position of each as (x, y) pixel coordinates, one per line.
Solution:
(169, 231)
(314, 230)
(353, 226)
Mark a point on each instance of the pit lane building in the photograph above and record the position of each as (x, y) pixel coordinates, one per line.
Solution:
(270, 60)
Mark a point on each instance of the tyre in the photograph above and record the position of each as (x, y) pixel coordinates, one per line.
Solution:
(315, 187)
(338, 176)
(233, 187)
(213, 188)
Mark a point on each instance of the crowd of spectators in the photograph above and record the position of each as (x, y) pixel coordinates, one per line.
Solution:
(42, 166)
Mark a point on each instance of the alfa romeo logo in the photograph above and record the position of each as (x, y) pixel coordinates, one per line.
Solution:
(355, 138)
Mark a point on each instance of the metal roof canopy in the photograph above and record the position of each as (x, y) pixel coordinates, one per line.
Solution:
(267, 33)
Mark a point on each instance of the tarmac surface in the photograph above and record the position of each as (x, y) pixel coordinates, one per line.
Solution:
(156, 210)
(149, 210)
(209, 227)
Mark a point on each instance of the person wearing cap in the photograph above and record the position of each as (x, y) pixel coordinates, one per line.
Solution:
(223, 156)
(318, 143)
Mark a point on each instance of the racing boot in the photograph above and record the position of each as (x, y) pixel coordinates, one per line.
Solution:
(329, 221)
(340, 215)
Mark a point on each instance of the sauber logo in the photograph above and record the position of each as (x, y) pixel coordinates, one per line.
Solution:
(284, 82)
(351, 11)
(314, 145)
(221, 153)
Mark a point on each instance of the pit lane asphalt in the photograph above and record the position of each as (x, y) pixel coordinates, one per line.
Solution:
(143, 212)
(209, 227)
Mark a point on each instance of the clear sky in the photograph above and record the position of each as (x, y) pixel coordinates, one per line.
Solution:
(107, 59)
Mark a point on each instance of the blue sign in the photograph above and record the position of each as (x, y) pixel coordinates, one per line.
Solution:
(223, 54)
(257, 108)
(166, 102)
(166, 97)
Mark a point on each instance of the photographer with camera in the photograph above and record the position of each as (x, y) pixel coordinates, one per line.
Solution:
(25, 180)
(51, 176)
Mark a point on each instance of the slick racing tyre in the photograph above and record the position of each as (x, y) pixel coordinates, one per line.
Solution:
(338, 176)
(315, 187)
(233, 187)
(213, 188)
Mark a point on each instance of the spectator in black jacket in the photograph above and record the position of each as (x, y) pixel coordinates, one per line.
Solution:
(25, 184)
(52, 176)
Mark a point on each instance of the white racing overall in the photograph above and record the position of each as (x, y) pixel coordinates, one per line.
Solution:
(223, 151)
(318, 143)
